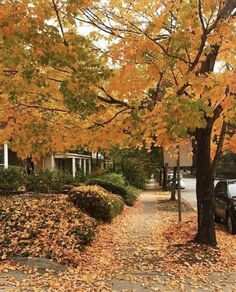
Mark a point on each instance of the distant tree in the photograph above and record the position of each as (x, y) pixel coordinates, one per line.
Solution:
(137, 165)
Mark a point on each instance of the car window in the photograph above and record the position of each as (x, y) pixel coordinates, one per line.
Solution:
(224, 188)
(232, 189)
(218, 188)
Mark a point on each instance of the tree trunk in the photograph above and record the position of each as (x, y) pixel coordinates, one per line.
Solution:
(165, 182)
(204, 187)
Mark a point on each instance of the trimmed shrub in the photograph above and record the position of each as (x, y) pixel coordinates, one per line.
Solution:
(127, 193)
(109, 186)
(115, 178)
(97, 202)
(12, 179)
(132, 195)
(50, 181)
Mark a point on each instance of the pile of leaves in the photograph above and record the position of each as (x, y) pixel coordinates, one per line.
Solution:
(97, 202)
(45, 226)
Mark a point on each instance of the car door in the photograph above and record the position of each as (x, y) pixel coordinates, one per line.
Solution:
(217, 192)
(222, 200)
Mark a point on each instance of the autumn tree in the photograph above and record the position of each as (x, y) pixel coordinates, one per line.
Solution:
(173, 78)
(49, 73)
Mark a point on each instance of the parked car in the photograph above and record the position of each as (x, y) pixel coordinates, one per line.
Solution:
(170, 180)
(225, 203)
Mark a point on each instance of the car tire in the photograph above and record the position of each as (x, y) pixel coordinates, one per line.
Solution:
(217, 219)
(231, 225)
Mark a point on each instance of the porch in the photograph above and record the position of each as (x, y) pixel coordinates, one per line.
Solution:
(67, 162)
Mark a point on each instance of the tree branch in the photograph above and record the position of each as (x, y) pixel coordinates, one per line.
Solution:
(219, 148)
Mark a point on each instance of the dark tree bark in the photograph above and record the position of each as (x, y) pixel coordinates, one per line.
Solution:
(204, 187)
(206, 168)
(165, 182)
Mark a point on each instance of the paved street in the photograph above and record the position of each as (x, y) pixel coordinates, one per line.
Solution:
(189, 193)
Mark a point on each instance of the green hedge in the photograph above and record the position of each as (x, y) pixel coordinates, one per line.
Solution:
(115, 178)
(50, 181)
(12, 179)
(97, 202)
(132, 195)
(127, 193)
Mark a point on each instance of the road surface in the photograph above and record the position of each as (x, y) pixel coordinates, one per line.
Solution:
(189, 193)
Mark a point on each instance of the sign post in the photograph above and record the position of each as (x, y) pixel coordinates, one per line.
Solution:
(177, 157)
(179, 191)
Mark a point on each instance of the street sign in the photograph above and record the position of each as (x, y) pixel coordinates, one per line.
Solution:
(185, 155)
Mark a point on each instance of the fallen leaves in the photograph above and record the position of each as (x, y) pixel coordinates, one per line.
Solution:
(144, 247)
(181, 255)
(43, 226)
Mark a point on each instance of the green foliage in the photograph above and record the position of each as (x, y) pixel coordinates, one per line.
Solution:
(50, 181)
(132, 195)
(115, 178)
(127, 193)
(97, 202)
(135, 177)
(137, 165)
(12, 179)
(227, 166)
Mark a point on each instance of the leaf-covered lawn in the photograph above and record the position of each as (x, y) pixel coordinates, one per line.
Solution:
(45, 226)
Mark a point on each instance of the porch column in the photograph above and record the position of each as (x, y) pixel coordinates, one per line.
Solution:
(73, 167)
(80, 163)
(6, 156)
(53, 162)
(85, 166)
(90, 166)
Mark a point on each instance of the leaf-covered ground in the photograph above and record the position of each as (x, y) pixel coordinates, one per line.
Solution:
(144, 249)
(43, 226)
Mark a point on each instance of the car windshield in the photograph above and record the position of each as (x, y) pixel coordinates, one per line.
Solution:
(232, 189)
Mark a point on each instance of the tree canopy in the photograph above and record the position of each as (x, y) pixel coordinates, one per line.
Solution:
(167, 73)
(49, 76)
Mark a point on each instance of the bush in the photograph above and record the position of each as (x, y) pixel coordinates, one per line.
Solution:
(115, 178)
(127, 193)
(50, 181)
(132, 196)
(136, 178)
(97, 202)
(44, 226)
(12, 179)
(109, 186)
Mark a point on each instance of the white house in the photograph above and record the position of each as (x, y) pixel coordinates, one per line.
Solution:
(67, 162)
(4, 158)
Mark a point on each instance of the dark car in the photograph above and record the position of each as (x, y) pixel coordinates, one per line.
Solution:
(225, 203)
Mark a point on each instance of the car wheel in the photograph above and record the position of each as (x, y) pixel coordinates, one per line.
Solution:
(217, 219)
(231, 225)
